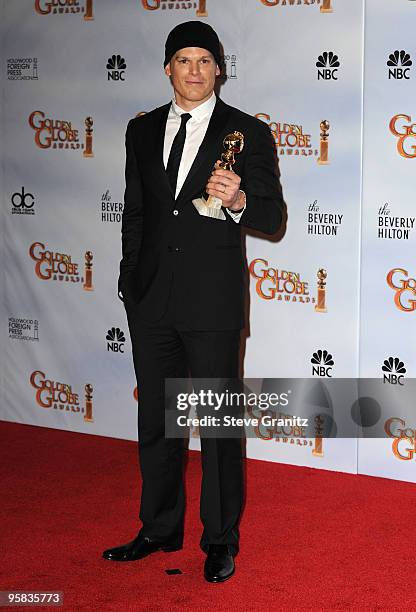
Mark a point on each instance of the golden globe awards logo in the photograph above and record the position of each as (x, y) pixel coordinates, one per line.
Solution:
(325, 5)
(200, 6)
(60, 134)
(65, 7)
(290, 139)
(60, 396)
(404, 289)
(285, 286)
(402, 127)
(404, 438)
(290, 434)
(59, 267)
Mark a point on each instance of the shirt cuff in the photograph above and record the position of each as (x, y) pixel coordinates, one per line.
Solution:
(236, 215)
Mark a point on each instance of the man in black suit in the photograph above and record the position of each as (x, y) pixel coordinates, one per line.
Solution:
(182, 279)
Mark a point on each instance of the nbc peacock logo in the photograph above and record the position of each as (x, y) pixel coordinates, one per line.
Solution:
(328, 64)
(116, 67)
(399, 64)
(393, 371)
(322, 363)
(115, 340)
(325, 6)
(199, 6)
(65, 7)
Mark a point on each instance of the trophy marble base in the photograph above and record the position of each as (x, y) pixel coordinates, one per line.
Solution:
(208, 209)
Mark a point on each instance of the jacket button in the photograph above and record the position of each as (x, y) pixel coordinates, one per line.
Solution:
(176, 212)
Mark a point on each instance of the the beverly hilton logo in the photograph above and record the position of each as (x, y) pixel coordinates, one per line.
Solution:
(404, 438)
(402, 127)
(60, 396)
(200, 6)
(60, 134)
(51, 265)
(404, 289)
(290, 139)
(284, 286)
(325, 5)
(65, 7)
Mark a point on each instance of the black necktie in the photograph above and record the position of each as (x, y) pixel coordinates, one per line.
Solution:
(176, 152)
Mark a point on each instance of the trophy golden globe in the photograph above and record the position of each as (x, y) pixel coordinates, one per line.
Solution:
(88, 403)
(318, 450)
(211, 207)
(326, 6)
(323, 150)
(88, 137)
(202, 9)
(321, 306)
(88, 15)
(88, 271)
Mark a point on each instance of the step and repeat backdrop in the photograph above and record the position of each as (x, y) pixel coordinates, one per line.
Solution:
(335, 297)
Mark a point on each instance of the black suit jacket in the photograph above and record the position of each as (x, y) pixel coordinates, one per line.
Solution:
(203, 257)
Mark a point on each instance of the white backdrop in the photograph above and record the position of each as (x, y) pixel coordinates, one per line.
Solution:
(61, 203)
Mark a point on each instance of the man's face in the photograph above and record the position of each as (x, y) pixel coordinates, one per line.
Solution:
(192, 71)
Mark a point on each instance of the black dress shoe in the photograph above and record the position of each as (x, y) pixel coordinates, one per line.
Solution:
(219, 564)
(137, 549)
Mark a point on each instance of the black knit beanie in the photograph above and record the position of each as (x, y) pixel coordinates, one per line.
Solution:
(192, 34)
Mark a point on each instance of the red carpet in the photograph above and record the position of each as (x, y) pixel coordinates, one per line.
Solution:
(310, 540)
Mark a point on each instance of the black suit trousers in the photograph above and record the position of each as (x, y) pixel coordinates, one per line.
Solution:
(168, 348)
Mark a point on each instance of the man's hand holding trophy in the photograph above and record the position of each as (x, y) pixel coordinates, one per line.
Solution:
(223, 187)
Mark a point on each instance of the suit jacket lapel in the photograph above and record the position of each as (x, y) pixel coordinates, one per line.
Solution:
(209, 151)
(160, 136)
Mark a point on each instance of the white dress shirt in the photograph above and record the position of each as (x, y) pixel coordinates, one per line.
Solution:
(195, 131)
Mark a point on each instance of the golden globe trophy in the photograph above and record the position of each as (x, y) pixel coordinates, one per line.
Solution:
(88, 404)
(320, 306)
(88, 137)
(88, 16)
(211, 206)
(326, 6)
(323, 149)
(202, 9)
(318, 450)
(88, 286)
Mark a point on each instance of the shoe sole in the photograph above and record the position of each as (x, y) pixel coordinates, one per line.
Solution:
(162, 548)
